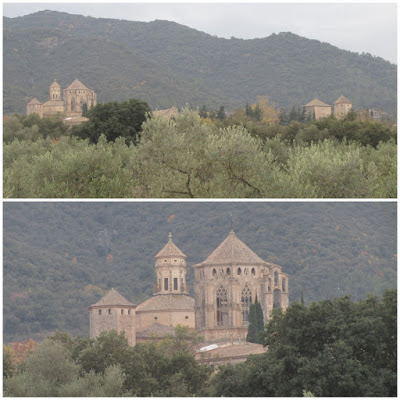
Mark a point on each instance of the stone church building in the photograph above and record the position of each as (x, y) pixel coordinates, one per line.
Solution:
(225, 285)
(69, 106)
(318, 109)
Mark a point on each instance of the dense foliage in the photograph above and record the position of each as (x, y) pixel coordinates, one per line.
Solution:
(190, 157)
(168, 64)
(333, 348)
(114, 120)
(59, 258)
(109, 367)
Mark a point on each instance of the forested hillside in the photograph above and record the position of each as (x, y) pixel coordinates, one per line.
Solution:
(59, 258)
(168, 64)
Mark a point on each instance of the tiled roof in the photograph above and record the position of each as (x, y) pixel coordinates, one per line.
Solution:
(76, 84)
(167, 302)
(167, 113)
(156, 329)
(170, 250)
(235, 350)
(233, 251)
(317, 103)
(113, 298)
(55, 84)
(342, 99)
(54, 103)
(35, 101)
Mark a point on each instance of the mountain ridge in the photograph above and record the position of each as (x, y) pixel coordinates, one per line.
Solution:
(289, 68)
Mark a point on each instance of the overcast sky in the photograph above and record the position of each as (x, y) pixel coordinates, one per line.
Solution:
(360, 27)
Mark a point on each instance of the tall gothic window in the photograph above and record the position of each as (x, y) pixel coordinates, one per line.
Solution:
(165, 283)
(246, 301)
(175, 283)
(276, 279)
(222, 307)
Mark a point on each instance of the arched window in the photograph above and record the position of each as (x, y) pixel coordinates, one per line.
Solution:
(222, 307)
(99, 312)
(122, 312)
(228, 271)
(214, 272)
(239, 271)
(283, 285)
(276, 279)
(269, 284)
(109, 311)
(246, 301)
(129, 312)
(277, 298)
(253, 271)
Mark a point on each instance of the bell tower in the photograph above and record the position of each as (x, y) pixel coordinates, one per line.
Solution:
(55, 91)
(171, 270)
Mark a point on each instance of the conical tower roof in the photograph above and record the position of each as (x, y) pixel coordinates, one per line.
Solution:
(233, 251)
(76, 84)
(342, 99)
(113, 298)
(55, 85)
(317, 103)
(170, 250)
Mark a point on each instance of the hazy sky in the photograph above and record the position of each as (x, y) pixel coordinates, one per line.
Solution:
(359, 27)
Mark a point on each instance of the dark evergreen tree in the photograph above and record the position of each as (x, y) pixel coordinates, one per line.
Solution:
(221, 113)
(257, 114)
(249, 111)
(203, 113)
(252, 333)
(84, 110)
(256, 323)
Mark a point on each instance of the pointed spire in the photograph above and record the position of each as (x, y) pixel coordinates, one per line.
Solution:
(233, 250)
(170, 249)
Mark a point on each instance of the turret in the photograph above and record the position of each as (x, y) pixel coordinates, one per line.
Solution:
(55, 91)
(170, 270)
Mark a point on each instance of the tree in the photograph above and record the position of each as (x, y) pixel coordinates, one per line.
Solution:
(333, 348)
(203, 113)
(221, 113)
(8, 365)
(256, 323)
(84, 109)
(114, 120)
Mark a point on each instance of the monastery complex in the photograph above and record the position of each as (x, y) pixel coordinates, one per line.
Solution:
(225, 285)
(69, 106)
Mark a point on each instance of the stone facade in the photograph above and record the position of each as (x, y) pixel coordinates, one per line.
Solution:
(341, 107)
(171, 305)
(317, 109)
(113, 311)
(75, 96)
(226, 283)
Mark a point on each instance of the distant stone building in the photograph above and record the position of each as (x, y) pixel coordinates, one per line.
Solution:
(342, 106)
(171, 304)
(227, 282)
(317, 109)
(225, 285)
(75, 96)
(113, 311)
